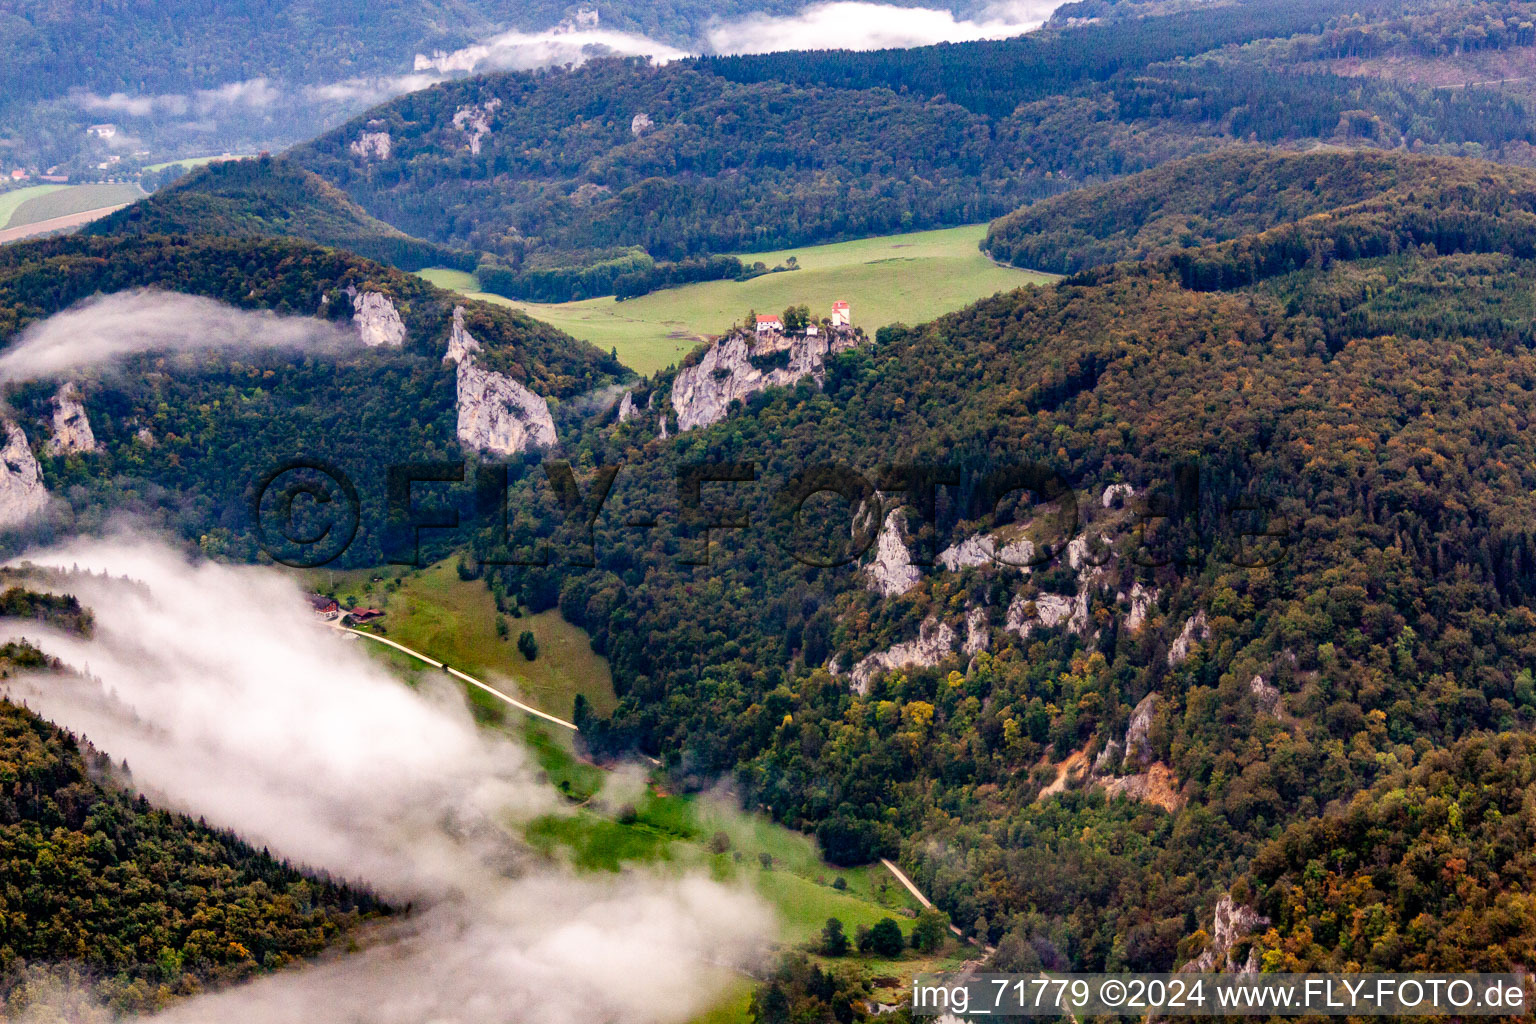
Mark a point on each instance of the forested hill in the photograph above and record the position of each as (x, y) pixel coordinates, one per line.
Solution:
(272, 198)
(145, 905)
(1077, 760)
(1189, 203)
(717, 155)
(181, 441)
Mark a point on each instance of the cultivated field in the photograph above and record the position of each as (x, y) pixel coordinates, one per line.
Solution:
(896, 278)
(48, 202)
(9, 201)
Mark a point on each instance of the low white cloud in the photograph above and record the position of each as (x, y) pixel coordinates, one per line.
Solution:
(521, 51)
(253, 94)
(228, 701)
(111, 327)
(857, 25)
(132, 105)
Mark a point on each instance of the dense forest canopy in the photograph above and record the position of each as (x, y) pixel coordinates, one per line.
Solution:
(182, 439)
(1362, 377)
(271, 198)
(1242, 191)
(99, 889)
(724, 154)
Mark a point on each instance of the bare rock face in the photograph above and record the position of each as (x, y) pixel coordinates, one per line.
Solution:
(1117, 493)
(474, 120)
(892, 572)
(373, 146)
(1050, 610)
(640, 124)
(935, 642)
(1196, 630)
(1142, 601)
(71, 427)
(496, 413)
(978, 635)
(1231, 923)
(22, 494)
(981, 549)
(1138, 748)
(627, 407)
(703, 393)
(378, 322)
(1266, 695)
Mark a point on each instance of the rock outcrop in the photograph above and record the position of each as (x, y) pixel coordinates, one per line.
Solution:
(983, 549)
(71, 427)
(1266, 695)
(640, 124)
(1231, 923)
(373, 146)
(935, 642)
(22, 494)
(1049, 610)
(1196, 630)
(627, 407)
(496, 413)
(474, 120)
(378, 322)
(1116, 494)
(1138, 747)
(892, 572)
(1142, 601)
(978, 633)
(702, 393)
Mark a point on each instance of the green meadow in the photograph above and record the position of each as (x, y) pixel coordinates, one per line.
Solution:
(907, 278)
(455, 621)
(616, 819)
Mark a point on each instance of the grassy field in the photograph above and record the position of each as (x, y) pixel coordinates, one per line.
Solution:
(614, 819)
(49, 201)
(9, 201)
(897, 278)
(433, 611)
(195, 161)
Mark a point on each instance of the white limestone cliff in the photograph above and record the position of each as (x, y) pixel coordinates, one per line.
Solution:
(474, 120)
(496, 413)
(1230, 923)
(1196, 630)
(71, 427)
(1115, 493)
(1142, 599)
(22, 494)
(627, 407)
(892, 572)
(373, 146)
(1266, 695)
(1049, 610)
(378, 322)
(702, 393)
(978, 633)
(982, 549)
(1138, 748)
(935, 642)
(640, 124)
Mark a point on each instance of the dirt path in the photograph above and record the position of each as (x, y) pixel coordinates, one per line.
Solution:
(471, 680)
(901, 876)
(42, 227)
